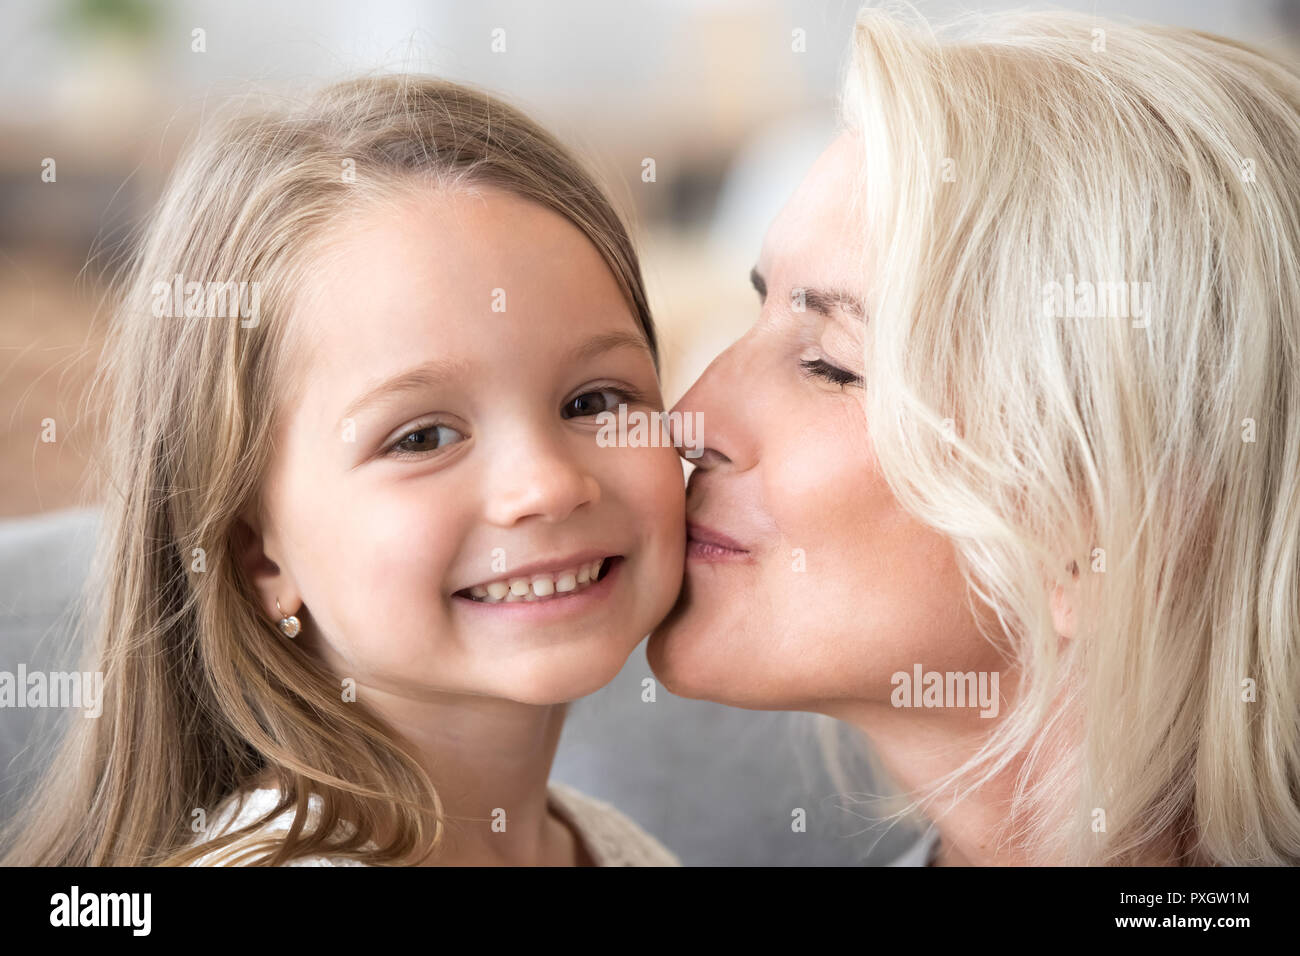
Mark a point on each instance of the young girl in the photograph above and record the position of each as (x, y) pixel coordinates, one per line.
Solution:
(361, 544)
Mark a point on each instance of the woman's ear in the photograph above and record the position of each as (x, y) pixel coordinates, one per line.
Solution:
(1063, 601)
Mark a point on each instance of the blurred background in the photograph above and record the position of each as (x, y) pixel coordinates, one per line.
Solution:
(732, 101)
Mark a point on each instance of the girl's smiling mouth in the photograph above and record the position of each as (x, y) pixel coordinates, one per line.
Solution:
(564, 582)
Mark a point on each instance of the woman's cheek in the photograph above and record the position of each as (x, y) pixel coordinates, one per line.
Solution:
(821, 483)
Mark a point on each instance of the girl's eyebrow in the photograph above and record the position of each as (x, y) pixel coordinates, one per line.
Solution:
(436, 371)
(425, 375)
(607, 341)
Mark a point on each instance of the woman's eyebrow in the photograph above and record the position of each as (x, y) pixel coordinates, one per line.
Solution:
(825, 301)
(821, 301)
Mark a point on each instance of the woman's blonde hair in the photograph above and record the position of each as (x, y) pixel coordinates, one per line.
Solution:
(202, 695)
(1083, 355)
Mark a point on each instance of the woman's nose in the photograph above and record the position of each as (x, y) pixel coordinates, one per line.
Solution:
(541, 478)
(717, 405)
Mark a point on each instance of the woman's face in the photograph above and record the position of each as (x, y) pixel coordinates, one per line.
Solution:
(444, 448)
(825, 587)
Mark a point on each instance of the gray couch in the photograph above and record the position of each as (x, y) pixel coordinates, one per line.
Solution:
(715, 784)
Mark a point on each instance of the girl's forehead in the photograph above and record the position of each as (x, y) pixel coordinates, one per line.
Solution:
(472, 246)
(450, 266)
(480, 286)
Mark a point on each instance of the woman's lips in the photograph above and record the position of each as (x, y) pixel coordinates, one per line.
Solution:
(705, 544)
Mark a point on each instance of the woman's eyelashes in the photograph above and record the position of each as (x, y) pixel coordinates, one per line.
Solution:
(828, 372)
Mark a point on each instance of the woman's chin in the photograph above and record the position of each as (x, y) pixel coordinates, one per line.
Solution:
(689, 660)
(670, 645)
(661, 652)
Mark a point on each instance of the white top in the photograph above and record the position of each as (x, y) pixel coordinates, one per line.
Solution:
(611, 838)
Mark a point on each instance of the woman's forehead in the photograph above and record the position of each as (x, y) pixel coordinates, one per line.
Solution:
(818, 237)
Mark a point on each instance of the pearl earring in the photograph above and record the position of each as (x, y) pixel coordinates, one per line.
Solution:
(289, 626)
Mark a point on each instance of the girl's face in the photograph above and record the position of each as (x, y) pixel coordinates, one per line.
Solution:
(445, 443)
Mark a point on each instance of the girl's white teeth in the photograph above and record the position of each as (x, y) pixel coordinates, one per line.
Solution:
(539, 587)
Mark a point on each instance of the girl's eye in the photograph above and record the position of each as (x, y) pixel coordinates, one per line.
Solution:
(829, 372)
(417, 443)
(595, 402)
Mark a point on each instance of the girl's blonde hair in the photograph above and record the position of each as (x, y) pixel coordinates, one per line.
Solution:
(1153, 447)
(201, 692)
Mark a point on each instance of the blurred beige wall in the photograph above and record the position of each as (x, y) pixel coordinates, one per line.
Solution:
(732, 101)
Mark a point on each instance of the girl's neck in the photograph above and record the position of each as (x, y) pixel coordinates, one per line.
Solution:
(490, 761)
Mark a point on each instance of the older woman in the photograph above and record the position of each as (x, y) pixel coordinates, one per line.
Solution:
(1007, 474)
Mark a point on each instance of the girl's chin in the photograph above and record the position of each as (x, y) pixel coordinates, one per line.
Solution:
(568, 685)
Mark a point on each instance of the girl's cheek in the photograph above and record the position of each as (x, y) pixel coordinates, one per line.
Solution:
(656, 473)
(664, 494)
(644, 487)
(408, 535)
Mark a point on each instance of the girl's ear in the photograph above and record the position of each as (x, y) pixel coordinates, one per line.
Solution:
(272, 584)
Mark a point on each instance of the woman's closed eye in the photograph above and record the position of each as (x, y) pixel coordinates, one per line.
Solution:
(831, 373)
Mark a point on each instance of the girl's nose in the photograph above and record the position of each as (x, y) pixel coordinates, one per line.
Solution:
(541, 479)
